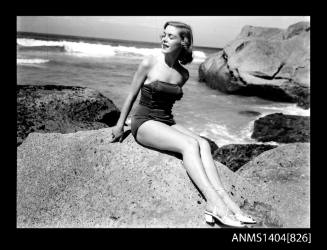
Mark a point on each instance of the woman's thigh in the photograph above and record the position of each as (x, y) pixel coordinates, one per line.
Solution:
(161, 136)
(186, 131)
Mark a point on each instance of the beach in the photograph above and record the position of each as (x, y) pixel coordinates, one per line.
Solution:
(70, 174)
(108, 66)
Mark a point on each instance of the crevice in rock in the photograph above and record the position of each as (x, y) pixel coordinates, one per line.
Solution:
(240, 78)
(224, 56)
(296, 69)
(110, 118)
(241, 46)
(278, 70)
(231, 72)
(268, 77)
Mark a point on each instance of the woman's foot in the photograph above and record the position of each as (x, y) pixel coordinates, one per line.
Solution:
(238, 213)
(223, 215)
(246, 219)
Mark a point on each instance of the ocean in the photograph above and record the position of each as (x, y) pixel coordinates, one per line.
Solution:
(108, 65)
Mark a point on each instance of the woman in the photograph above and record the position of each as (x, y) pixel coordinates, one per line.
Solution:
(161, 79)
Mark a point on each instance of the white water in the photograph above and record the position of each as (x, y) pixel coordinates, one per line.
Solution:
(31, 61)
(85, 49)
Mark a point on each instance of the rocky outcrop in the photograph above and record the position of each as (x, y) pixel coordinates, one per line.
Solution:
(282, 178)
(235, 156)
(82, 180)
(282, 128)
(64, 109)
(267, 62)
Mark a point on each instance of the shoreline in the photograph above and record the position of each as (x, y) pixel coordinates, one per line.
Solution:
(58, 102)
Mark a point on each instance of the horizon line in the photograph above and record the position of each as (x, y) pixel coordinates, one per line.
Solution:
(102, 38)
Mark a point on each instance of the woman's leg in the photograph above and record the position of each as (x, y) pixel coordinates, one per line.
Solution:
(161, 136)
(210, 167)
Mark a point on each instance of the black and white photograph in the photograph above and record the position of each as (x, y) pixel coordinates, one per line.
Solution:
(163, 122)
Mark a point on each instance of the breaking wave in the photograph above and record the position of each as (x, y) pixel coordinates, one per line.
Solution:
(93, 49)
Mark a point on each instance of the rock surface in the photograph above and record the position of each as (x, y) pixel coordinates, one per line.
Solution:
(235, 156)
(267, 62)
(81, 180)
(282, 128)
(282, 177)
(64, 109)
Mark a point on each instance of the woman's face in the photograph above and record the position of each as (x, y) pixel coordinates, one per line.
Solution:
(170, 40)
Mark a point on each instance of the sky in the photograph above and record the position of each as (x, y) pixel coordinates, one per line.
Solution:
(208, 31)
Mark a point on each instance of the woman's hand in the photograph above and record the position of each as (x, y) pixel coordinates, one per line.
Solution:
(117, 133)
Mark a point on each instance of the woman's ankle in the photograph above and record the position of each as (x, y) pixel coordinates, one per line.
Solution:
(218, 208)
(232, 206)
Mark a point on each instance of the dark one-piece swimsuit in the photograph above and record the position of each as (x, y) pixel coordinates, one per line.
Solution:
(156, 102)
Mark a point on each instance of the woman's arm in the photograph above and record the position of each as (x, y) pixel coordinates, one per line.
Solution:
(138, 80)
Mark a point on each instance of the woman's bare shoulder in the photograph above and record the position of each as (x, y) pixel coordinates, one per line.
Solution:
(148, 61)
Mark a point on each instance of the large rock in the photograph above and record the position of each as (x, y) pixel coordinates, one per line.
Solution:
(268, 62)
(235, 156)
(282, 128)
(64, 109)
(282, 177)
(82, 180)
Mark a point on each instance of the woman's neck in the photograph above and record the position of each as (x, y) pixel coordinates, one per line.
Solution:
(171, 59)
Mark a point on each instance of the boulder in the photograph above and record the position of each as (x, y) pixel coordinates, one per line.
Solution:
(82, 180)
(282, 128)
(64, 109)
(282, 178)
(267, 62)
(235, 156)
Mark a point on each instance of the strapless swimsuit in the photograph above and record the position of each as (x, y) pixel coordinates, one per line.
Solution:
(156, 102)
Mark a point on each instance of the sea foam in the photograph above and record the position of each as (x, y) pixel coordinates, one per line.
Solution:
(222, 135)
(287, 109)
(98, 50)
(31, 61)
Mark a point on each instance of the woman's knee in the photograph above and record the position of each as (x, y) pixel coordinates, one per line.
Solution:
(204, 143)
(191, 145)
